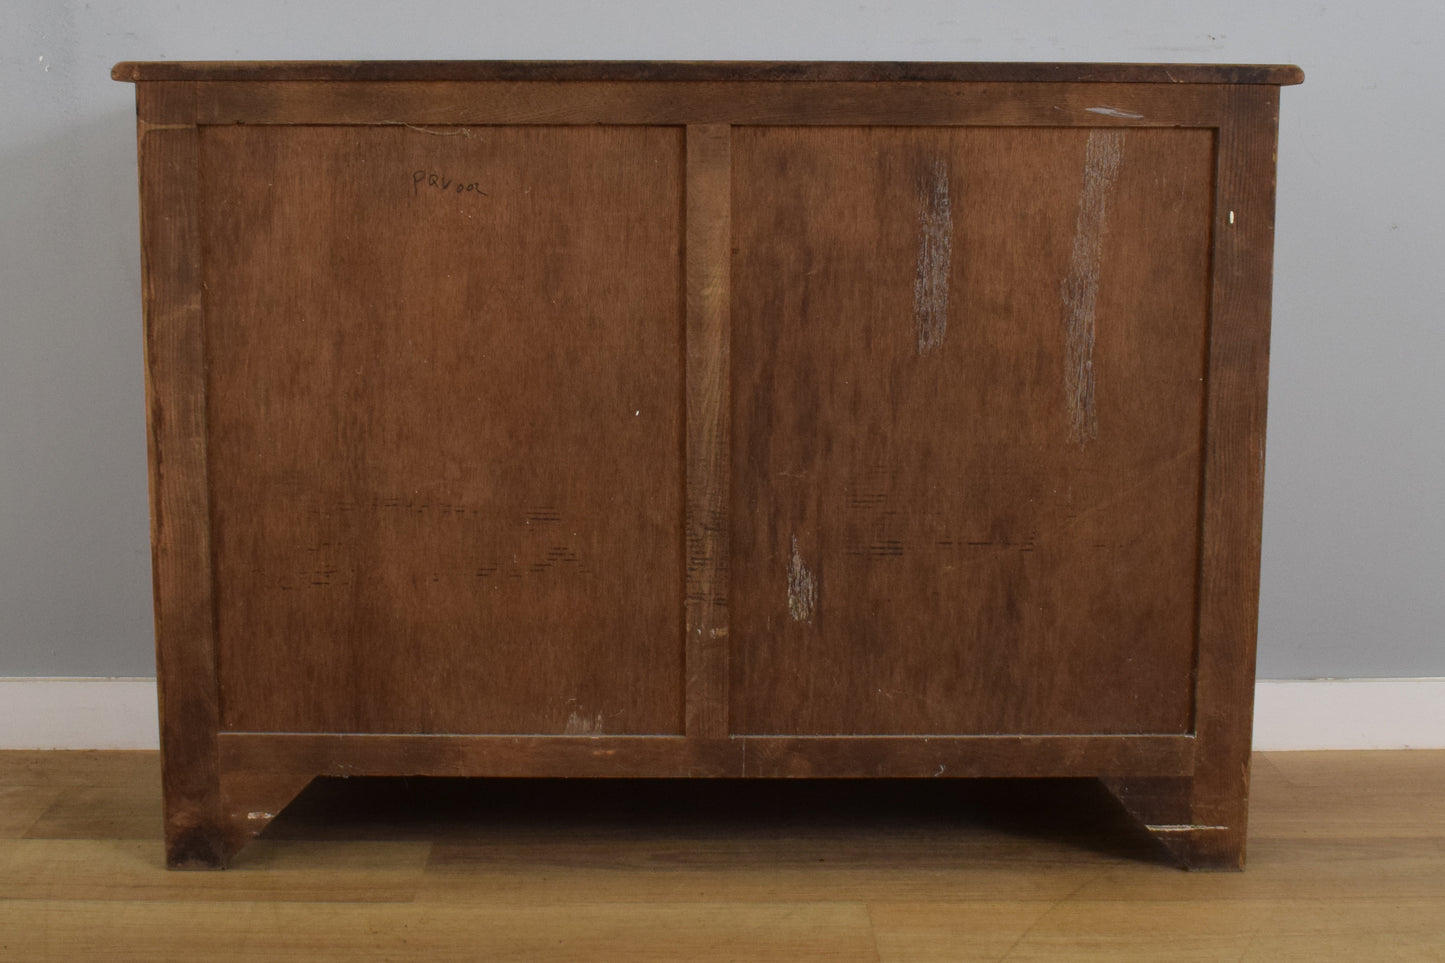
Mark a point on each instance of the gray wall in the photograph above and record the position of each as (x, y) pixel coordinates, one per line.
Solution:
(1354, 569)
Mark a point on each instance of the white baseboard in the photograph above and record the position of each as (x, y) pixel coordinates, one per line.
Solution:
(1307, 714)
(78, 714)
(1350, 714)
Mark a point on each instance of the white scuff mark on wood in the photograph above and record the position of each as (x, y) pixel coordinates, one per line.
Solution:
(802, 588)
(1231, 217)
(1115, 112)
(260, 815)
(1102, 156)
(941, 769)
(580, 725)
(935, 257)
(459, 132)
(1183, 828)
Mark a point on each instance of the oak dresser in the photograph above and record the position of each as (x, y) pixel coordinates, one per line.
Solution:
(706, 419)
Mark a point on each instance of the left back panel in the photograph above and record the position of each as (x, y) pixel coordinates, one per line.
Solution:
(444, 385)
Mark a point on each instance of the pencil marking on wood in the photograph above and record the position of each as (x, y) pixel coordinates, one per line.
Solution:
(935, 256)
(802, 588)
(1102, 156)
(443, 183)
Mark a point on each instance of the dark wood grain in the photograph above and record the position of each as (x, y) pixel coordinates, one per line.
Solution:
(444, 428)
(700, 71)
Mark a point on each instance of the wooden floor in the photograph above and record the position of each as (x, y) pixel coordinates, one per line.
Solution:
(1347, 862)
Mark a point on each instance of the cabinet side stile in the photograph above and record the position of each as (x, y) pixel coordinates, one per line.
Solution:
(1234, 470)
(168, 146)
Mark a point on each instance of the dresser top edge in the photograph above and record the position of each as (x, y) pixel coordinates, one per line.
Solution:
(706, 71)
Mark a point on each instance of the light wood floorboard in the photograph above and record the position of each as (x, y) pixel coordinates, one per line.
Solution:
(1347, 862)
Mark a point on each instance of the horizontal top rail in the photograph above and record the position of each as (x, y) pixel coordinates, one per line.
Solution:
(704, 71)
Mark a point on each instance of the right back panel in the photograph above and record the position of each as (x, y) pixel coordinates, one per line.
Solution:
(968, 392)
